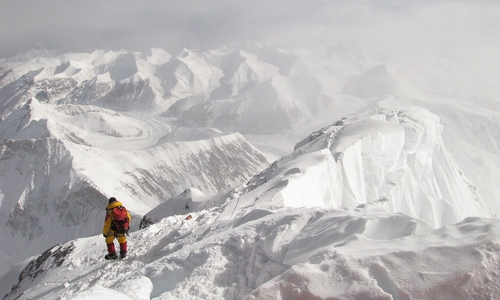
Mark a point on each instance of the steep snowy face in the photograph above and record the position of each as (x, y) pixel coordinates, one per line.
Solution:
(42, 199)
(150, 176)
(395, 159)
(472, 136)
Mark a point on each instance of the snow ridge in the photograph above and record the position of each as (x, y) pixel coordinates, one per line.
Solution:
(384, 154)
(295, 252)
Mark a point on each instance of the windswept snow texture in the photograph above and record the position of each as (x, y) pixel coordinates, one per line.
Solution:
(395, 157)
(348, 215)
(293, 253)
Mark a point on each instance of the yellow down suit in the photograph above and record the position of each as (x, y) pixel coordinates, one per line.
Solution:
(110, 234)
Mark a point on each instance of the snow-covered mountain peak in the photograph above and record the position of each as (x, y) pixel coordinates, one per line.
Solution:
(105, 58)
(69, 68)
(185, 84)
(395, 155)
(359, 197)
(283, 59)
(124, 66)
(158, 56)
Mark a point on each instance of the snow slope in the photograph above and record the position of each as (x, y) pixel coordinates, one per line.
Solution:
(304, 228)
(289, 254)
(294, 253)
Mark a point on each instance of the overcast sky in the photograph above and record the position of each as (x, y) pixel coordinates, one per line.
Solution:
(87, 25)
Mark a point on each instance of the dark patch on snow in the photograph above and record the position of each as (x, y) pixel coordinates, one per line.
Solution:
(145, 222)
(51, 258)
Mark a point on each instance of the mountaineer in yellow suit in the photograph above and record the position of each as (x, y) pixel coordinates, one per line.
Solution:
(109, 230)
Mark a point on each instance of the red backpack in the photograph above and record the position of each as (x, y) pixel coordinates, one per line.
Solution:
(120, 222)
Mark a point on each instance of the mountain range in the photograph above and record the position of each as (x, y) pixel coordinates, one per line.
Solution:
(385, 171)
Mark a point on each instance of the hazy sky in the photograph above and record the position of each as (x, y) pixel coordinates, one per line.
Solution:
(87, 25)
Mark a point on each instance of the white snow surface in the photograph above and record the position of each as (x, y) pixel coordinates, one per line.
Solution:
(291, 253)
(392, 201)
(393, 156)
(355, 212)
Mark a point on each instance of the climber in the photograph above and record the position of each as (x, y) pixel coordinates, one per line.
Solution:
(116, 225)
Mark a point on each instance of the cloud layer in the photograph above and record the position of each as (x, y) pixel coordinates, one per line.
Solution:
(133, 25)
